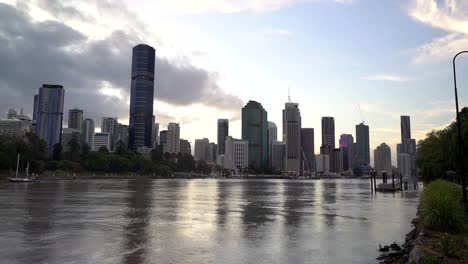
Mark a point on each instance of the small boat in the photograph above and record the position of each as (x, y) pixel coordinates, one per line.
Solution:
(20, 179)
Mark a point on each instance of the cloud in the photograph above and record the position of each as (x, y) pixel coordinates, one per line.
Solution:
(386, 77)
(278, 31)
(236, 6)
(93, 71)
(450, 16)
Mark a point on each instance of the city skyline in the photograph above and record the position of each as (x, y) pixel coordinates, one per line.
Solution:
(352, 96)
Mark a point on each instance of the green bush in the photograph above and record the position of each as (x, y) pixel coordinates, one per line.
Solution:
(442, 208)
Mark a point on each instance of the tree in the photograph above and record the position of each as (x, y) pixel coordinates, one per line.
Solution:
(57, 152)
(186, 163)
(438, 152)
(103, 150)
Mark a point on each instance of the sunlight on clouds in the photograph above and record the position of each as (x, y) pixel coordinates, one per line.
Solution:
(448, 15)
(385, 77)
(235, 6)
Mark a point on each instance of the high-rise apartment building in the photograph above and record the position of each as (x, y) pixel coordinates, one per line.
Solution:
(50, 114)
(223, 132)
(202, 149)
(142, 97)
(336, 160)
(292, 137)
(405, 128)
(328, 135)
(75, 119)
(383, 159)
(408, 145)
(272, 134)
(362, 149)
(155, 135)
(254, 130)
(347, 145)
(173, 138)
(405, 165)
(308, 152)
(88, 133)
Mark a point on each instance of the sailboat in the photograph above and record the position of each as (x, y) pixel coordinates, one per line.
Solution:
(20, 179)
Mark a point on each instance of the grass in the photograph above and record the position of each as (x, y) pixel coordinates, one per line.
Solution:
(442, 207)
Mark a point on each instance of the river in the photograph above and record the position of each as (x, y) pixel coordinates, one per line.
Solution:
(200, 221)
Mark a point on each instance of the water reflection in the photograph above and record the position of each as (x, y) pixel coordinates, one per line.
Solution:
(199, 221)
(139, 204)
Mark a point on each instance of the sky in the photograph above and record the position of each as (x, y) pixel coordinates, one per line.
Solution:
(355, 60)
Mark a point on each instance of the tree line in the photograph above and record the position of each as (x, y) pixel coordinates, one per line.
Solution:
(438, 152)
(78, 158)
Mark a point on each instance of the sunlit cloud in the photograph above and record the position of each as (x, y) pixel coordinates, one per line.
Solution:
(448, 15)
(386, 77)
(236, 6)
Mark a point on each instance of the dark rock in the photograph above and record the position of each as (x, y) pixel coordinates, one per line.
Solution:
(394, 246)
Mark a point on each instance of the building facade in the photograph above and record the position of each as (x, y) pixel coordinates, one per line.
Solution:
(141, 97)
(223, 132)
(383, 159)
(362, 149)
(75, 119)
(185, 147)
(69, 135)
(278, 150)
(202, 148)
(347, 145)
(292, 137)
(336, 160)
(308, 152)
(272, 134)
(50, 114)
(322, 164)
(173, 138)
(254, 130)
(100, 140)
(328, 135)
(13, 127)
(237, 154)
(405, 165)
(88, 132)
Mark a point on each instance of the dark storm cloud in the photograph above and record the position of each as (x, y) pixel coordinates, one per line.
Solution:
(32, 53)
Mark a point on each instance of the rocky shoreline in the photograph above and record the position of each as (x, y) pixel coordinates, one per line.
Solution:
(395, 254)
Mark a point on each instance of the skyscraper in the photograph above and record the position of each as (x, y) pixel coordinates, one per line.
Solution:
(88, 133)
(362, 145)
(155, 135)
(50, 114)
(254, 130)
(109, 125)
(292, 137)
(75, 119)
(69, 136)
(272, 134)
(408, 145)
(347, 145)
(328, 135)
(141, 97)
(405, 128)
(223, 132)
(336, 160)
(307, 142)
(405, 165)
(202, 148)
(383, 159)
(36, 107)
(173, 138)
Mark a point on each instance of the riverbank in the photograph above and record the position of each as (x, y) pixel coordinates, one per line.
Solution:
(440, 231)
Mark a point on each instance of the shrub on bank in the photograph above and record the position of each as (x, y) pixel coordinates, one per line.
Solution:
(442, 208)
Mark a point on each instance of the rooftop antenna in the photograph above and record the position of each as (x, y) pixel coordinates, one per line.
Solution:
(289, 95)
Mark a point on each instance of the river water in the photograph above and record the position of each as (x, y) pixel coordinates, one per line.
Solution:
(200, 221)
